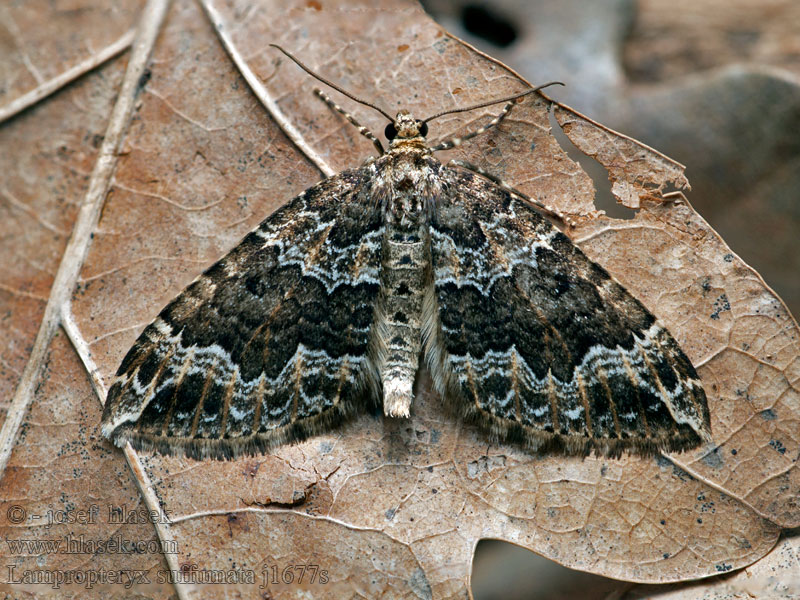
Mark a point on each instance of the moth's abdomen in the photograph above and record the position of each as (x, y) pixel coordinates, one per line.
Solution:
(406, 268)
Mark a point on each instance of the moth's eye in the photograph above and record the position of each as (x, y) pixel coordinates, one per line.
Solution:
(390, 132)
(423, 129)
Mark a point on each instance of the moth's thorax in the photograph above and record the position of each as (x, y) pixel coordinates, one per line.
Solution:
(407, 183)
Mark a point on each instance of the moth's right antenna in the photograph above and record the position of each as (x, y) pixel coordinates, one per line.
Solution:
(446, 145)
(490, 102)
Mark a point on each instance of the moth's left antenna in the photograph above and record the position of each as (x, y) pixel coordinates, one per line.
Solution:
(333, 85)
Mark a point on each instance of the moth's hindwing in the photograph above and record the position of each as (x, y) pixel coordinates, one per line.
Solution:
(270, 344)
(539, 344)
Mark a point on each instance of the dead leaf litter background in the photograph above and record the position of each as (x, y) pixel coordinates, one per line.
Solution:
(391, 508)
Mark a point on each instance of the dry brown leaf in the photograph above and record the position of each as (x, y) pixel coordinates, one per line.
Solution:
(60, 471)
(775, 577)
(387, 507)
(46, 45)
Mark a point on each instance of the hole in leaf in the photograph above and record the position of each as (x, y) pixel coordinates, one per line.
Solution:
(603, 198)
(503, 570)
(483, 21)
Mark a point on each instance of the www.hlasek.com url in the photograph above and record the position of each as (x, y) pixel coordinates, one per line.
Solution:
(70, 544)
(190, 575)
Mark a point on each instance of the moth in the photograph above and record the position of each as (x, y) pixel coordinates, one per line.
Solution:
(327, 308)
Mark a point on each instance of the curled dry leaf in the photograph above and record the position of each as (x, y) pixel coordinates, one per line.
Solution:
(395, 507)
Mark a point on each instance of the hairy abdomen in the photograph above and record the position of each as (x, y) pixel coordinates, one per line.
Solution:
(406, 264)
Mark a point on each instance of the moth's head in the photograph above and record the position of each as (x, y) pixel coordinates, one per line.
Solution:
(405, 128)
